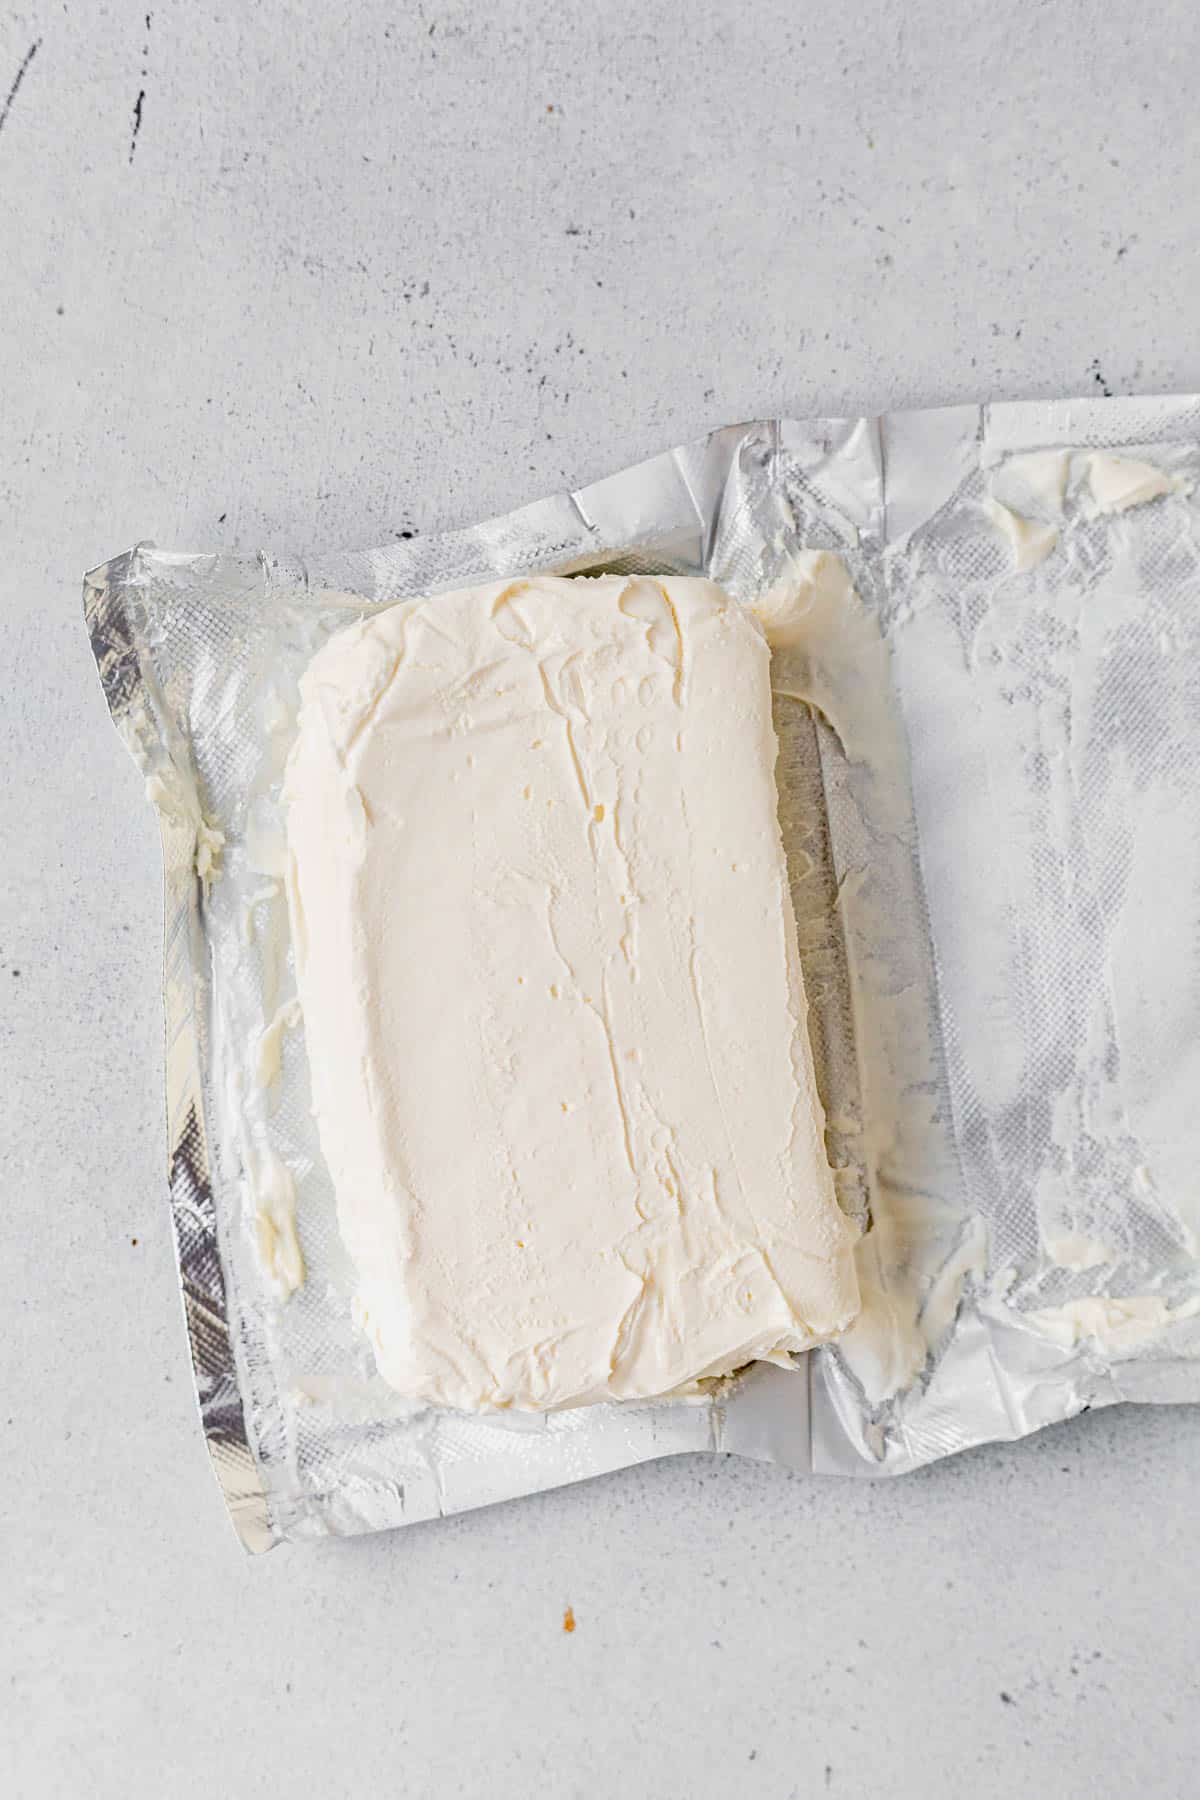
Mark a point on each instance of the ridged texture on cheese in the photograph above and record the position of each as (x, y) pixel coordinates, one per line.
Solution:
(552, 998)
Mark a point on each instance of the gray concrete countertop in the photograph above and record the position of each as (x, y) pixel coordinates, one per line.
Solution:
(290, 273)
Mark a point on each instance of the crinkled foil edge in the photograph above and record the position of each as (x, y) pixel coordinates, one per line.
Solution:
(129, 690)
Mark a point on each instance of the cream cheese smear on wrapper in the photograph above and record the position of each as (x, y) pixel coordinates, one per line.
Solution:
(555, 1017)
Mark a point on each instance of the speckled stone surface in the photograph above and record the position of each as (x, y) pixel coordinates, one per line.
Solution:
(288, 273)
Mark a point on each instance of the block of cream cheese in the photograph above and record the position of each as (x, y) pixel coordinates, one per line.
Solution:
(552, 1000)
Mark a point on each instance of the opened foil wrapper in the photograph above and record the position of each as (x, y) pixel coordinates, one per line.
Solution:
(989, 724)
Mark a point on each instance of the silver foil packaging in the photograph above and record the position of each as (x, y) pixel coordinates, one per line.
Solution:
(988, 707)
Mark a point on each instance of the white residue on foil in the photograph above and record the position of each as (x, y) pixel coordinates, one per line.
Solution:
(1029, 540)
(264, 855)
(1075, 1251)
(1035, 482)
(209, 844)
(275, 1220)
(1035, 486)
(247, 1154)
(250, 1021)
(279, 722)
(176, 799)
(1119, 482)
(264, 839)
(1113, 1324)
(269, 1059)
(1056, 824)
(1025, 503)
(829, 653)
(885, 1348)
(262, 896)
(917, 1253)
(1132, 857)
(353, 1399)
(942, 1302)
(251, 1061)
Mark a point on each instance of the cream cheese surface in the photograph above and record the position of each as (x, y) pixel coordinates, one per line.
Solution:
(552, 997)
